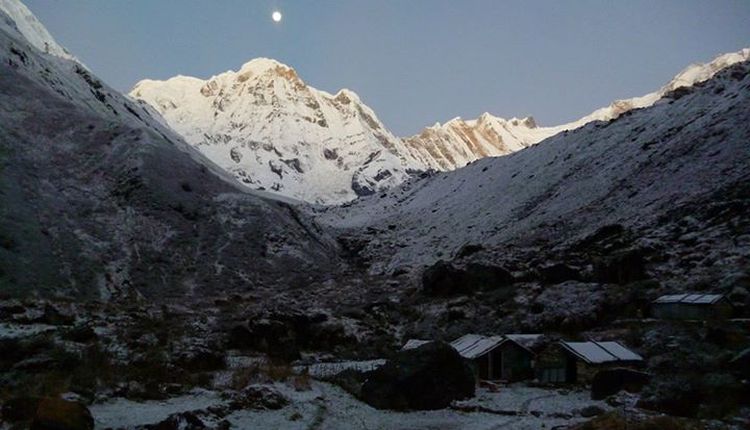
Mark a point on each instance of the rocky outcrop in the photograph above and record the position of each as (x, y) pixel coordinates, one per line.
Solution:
(622, 268)
(428, 377)
(284, 334)
(446, 279)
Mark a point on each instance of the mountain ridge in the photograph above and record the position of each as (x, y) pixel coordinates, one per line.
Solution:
(276, 135)
(449, 146)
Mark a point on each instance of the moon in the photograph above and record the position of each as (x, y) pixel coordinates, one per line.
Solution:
(276, 16)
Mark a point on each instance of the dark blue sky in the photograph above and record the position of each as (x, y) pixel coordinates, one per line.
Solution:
(414, 62)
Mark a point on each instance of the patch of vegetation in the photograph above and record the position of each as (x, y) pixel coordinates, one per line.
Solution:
(268, 372)
(83, 373)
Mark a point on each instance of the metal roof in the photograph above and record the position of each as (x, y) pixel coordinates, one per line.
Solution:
(620, 351)
(525, 341)
(414, 343)
(601, 352)
(474, 345)
(689, 298)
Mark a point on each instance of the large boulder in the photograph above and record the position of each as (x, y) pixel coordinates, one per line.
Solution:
(424, 378)
(20, 409)
(611, 381)
(446, 279)
(59, 414)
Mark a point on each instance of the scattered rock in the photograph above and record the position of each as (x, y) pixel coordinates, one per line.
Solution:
(200, 359)
(591, 411)
(179, 421)
(258, 397)
(80, 334)
(618, 421)
(283, 335)
(558, 273)
(424, 378)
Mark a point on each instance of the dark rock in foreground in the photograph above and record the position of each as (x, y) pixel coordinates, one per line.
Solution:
(59, 414)
(425, 378)
(611, 381)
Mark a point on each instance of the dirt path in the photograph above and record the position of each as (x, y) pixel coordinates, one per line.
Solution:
(527, 403)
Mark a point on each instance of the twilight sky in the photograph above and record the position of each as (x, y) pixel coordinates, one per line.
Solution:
(414, 62)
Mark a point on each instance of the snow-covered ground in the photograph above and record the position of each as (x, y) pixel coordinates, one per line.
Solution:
(14, 331)
(124, 413)
(322, 370)
(325, 406)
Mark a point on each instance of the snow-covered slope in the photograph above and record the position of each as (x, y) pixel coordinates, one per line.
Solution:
(454, 144)
(691, 146)
(268, 128)
(99, 200)
(19, 17)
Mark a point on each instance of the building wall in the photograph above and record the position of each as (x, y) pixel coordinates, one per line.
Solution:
(683, 311)
(553, 366)
(556, 365)
(587, 371)
(516, 362)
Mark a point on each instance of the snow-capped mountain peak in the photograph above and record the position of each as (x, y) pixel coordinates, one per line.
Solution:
(273, 131)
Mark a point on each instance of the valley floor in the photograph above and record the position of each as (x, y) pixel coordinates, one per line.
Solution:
(327, 406)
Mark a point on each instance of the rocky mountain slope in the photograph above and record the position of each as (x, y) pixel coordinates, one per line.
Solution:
(99, 200)
(635, 171)
(233, 301)
(458, 142)
(273, 132)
